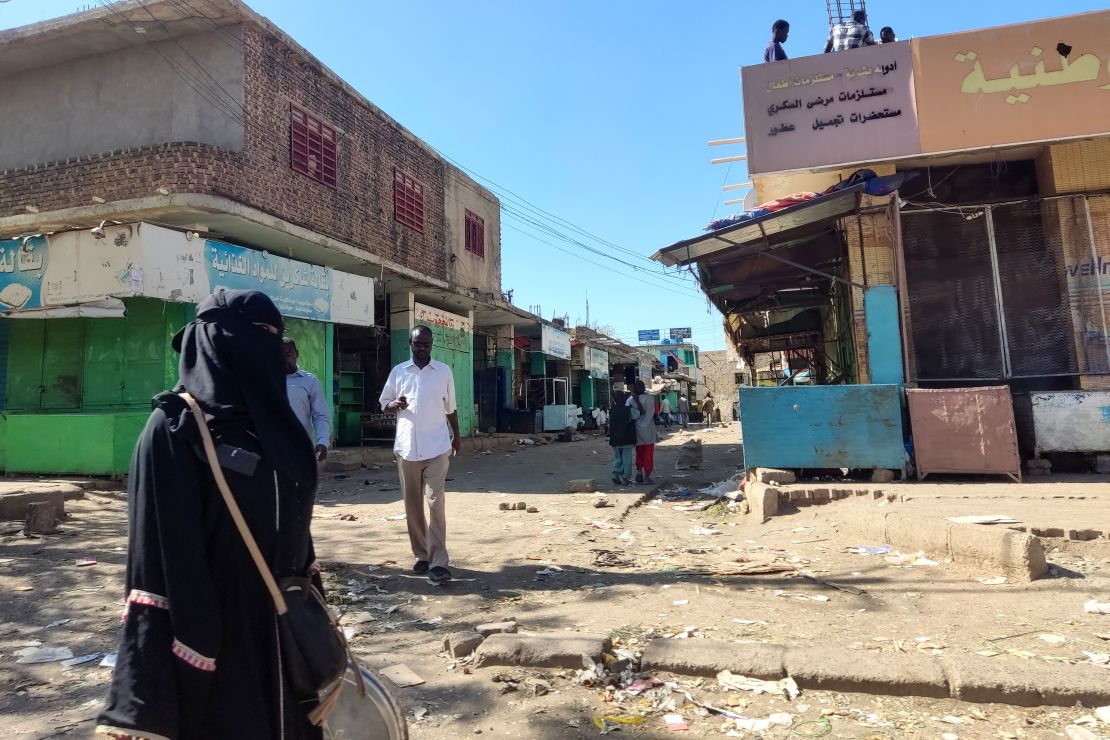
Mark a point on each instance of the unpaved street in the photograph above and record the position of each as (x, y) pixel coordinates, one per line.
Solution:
(634, 570)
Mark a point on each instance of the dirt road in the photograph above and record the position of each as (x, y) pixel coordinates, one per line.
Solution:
(634, 570)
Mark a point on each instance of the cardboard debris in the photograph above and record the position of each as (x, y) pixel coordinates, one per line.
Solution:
(402, 676)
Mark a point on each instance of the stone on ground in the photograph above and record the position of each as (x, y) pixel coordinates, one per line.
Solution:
(542, 651)
(461, 644)
(496, 628)
(582, 485)
(774, 475)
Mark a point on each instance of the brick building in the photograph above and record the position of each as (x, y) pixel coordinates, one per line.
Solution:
(204, 146)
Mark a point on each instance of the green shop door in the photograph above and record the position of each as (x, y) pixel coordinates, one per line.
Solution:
(45, 359)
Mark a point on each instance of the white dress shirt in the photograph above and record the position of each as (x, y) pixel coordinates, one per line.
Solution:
(422, 431)
(306, 396)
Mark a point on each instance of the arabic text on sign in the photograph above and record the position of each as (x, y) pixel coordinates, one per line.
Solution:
(1084, 69)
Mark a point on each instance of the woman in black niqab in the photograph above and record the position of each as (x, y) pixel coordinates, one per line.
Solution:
(199, 656)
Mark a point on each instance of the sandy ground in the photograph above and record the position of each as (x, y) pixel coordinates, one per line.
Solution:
(632, 573)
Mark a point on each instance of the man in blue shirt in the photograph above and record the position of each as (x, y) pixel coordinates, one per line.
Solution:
(774, 52)
(306, 396)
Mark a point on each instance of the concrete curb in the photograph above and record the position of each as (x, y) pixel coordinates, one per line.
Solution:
(542, 651)
(1019, 555)
(999, 680)
(13, 505)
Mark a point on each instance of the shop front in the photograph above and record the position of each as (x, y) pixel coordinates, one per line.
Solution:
(88, 316)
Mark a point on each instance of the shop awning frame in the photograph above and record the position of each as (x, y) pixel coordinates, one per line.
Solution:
(764, 234)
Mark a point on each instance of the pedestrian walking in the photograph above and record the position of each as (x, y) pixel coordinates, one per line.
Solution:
(306, 396)
(421, 392)
(665, 412)
(200, 655)
(708, 406)
(774, 51)
(850, 35)
(683, 410)
(622, 438)
(646, 433)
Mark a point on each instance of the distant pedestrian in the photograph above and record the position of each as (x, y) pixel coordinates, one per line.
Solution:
(622, 438)
(683, 410)
(708, 406)
(850, 35)
(646, 434)
(665, 412)
(421, 392)
(306, 396)
(774, 51)
(886, 35)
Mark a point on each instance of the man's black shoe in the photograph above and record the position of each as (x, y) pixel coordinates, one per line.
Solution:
(420, 568)
(439, 574)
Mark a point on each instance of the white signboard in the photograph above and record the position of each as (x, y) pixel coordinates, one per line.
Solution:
(434, 317)
(554, 342)
(597, 362)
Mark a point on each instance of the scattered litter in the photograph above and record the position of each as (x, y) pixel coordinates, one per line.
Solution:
(627, 536)
(675, 723)
(917, 558)
(609, 722)
(723, 488)
(394, 518)
(864, 550)
(996, 581)
(682, 602)
(601, 524)
(1075, 732)
(696, 529)
(1103, 713)
(419, 713)
(86, 562)
(641, 685)
(1102, 659)
(549, 571)
(57, 623)
(43, 654)
(691, 507)
(989, 519)
(805, 597)
(761, 725)
(1095, 607)
(749, 621)
(786, 687)
(402, 676)
(1052, 639)
(81, 659)
(109, 661)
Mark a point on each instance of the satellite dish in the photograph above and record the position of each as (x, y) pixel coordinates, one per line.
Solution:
(751, 200)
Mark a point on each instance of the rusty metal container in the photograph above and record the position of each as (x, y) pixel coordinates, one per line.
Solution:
(964, 430)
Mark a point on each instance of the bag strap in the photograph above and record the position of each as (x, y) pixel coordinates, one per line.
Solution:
(233, 508)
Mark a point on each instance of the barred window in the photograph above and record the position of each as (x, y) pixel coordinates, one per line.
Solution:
(408, 201)
(475, 234)
(311, 146)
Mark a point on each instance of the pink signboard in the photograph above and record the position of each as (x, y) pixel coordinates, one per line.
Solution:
(847, 106)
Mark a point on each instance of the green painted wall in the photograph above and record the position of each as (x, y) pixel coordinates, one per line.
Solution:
(453, 348)
(89, 444)
(507, 360)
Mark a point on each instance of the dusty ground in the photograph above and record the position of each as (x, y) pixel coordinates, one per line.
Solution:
(556, 570)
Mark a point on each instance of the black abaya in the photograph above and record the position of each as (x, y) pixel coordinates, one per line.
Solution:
(199, 656)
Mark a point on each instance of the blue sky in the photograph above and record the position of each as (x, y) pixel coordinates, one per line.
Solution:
(595, 112)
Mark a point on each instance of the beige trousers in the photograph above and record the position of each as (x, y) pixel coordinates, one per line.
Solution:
(420, 480)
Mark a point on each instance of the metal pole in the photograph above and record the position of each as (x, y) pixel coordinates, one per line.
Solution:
(1098, 280)
(997, 280)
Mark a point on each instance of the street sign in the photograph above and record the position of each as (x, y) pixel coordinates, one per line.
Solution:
(681, 333)
(649, 335)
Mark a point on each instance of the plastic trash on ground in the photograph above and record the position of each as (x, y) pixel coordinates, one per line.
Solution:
(1095, 607)
(786, 687)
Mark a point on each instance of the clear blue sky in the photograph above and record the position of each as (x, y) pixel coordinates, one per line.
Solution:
(597, 112)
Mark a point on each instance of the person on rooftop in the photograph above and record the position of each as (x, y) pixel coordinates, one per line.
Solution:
(774, 51)
(886, 35)
(850, 35)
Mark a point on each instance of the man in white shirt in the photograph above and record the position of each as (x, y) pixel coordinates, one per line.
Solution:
(665, 412)
(421, 392)
(306, 396)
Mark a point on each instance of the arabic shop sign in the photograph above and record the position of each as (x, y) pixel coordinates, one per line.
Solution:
(298, 289)
(22, 267)
(682, 332)
(1039, 81)
(648, 335)
(849, 106)
(554, 342)
(597, 362)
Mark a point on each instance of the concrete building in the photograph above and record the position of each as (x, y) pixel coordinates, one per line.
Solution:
(724, 374)
(934, 212)
(152, 152)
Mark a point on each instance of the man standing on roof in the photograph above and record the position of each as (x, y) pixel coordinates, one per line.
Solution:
(850, 35)
(774, 51)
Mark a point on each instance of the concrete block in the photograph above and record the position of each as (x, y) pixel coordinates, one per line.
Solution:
(798, 496)
(13, 506)
(461, 644)
(710, 657)
(584, 485)
(774, 475)
(881, 475)
(496, 628)
(1019, 555)
(764, 500)
(42, 518)
(1046, 531)
(820, 495)
(829, 669)
(346, 464)
(564, 650)
(1084, 535)
(1026, 683)
(909, 532)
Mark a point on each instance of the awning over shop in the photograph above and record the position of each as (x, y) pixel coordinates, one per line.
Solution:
(791, 225)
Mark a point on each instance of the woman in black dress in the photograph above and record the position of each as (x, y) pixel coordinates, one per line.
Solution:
(199, 656)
